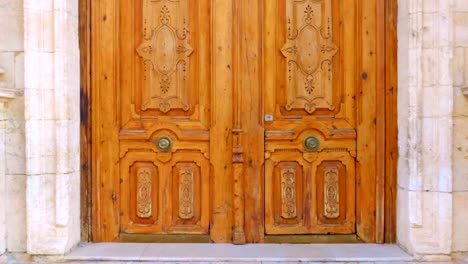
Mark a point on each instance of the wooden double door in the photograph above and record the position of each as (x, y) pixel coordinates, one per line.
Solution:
(234, 119)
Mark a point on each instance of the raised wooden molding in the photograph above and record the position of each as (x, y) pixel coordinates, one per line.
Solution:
(465, 90)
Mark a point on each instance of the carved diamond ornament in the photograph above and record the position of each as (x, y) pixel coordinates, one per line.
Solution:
(309, 50)
(165, 50)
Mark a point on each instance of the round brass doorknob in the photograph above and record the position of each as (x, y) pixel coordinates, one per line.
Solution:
(164, 143)
(311, 143)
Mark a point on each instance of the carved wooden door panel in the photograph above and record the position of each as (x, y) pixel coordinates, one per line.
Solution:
(164, 126)
(235, 119)
(153, 121)
(163, 137)
(310, 123)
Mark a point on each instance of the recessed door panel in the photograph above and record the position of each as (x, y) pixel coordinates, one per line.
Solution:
(309, 107)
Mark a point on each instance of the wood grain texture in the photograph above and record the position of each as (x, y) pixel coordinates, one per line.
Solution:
(85, 120)
(391, 144)
(104, 130)
(306, 99)
(249, 94)
(222, 124)
(237, 73)
(380, 124)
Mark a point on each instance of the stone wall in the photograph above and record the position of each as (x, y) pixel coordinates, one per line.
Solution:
(425, 106)
(12, 139)
(433, 128)
(460, 128)
(52, 114)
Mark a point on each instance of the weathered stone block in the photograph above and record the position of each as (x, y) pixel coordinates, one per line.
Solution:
(460, 153)
(460, 216)
(11, 23)
(459, 67)
(461, 29)
(39, 35)
(16, 220)
(7, 66)
(39, 70)
(19, 70)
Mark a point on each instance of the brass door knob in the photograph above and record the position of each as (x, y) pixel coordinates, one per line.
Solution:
(164, 143)
(311, 143)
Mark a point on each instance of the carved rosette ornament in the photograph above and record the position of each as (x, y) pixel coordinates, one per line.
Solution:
(288, 193)
(309, 50)
(186, 193)
(144, 192)
(331, 192)
(165, 51)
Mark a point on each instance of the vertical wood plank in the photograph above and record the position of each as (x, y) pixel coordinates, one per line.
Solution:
(249, 77)
(391, 147)
(366, 143)
(380, 123)
(238, 150)
(222, 121)
(85, 120)
(104, 131)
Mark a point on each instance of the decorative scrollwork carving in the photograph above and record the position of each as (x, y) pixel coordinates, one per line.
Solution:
(165, 51)
(144, 193)
(288, 193)
(309, 51)
(332, 192)
(186, 193)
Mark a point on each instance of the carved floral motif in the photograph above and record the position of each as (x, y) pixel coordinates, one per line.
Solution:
(288, 193)
(309, 50)
(144, 193)
(165, 51)
(331, 192)
(186, 178)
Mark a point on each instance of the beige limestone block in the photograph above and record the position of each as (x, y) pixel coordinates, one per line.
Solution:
(434, 237)
(3, 203)
(460, 107)
(460, 216)
(460, 154)
(39, 70)
(39, 35)
(461, 29)
(40, 104)
(41, 147)
(430, 67)
(402, 220)
(465, 69)
(459, 65)
(46, 5)
(436, 149)
(15, 137)
(19, 70)
(7, 66)
(16, 213)
(430, 30)
(461, 5)
(11, 24)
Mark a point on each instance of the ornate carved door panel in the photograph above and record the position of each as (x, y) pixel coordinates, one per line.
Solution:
(235, 118)
(310, 124)
(154, 122)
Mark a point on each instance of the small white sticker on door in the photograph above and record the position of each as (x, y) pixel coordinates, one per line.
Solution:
(268, 118)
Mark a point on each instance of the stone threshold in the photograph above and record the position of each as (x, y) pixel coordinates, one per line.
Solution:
(150, 252)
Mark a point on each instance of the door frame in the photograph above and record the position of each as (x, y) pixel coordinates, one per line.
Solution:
(376, 220)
